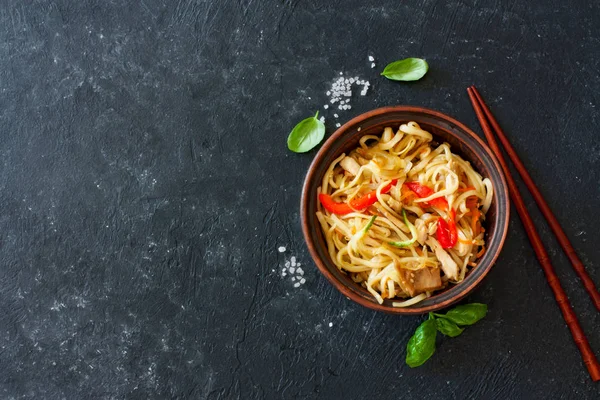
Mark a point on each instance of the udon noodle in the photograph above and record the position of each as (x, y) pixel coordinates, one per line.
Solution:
(403, 216)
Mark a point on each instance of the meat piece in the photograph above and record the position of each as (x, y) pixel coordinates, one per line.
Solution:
(421, 230)
(420, 281)
(448, 265)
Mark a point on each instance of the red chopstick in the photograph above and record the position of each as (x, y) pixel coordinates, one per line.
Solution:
(587, 354)
(564, 242)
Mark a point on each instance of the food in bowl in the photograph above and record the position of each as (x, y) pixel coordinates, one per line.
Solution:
(402, 216)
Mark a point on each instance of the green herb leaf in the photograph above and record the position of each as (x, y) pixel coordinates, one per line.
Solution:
(466, 314)
(448, 327)
(306, 135)
(409, 69)
(421, 345)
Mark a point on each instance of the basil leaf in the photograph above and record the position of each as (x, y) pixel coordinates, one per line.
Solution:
(409, 69)
(306, 135)
(466, 314)
(421, 345)
(448, 327)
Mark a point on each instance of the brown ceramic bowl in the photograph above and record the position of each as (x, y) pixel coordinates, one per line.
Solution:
(444, 129)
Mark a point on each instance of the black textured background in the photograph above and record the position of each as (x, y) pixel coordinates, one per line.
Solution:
(146, 185)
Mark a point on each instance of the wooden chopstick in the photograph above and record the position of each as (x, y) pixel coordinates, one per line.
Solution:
(564, 242)
(587, 354)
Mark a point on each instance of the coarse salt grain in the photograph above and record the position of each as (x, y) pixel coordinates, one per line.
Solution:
(338, 125)
(372, 65)
(322, 119)
(341, 91)
(371, 58)
(292, 268)
(330, 324)
(336, 116)
(281, 249)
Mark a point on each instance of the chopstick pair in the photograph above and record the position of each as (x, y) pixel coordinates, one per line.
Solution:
(485, 117)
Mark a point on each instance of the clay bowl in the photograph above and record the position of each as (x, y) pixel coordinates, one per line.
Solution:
(444, 129)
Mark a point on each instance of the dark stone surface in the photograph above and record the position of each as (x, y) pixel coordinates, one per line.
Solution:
(146, 185)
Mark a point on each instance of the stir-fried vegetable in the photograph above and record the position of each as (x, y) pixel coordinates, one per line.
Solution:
(369, 225)
(356, 204)
(447, 234)
(412, 230)
(423, 191)
(361, 234)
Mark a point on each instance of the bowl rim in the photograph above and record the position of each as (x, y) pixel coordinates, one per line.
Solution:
(311, 243)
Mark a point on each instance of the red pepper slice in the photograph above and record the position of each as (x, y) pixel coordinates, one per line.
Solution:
(447, 234)
(423, 191)
(356, 204)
